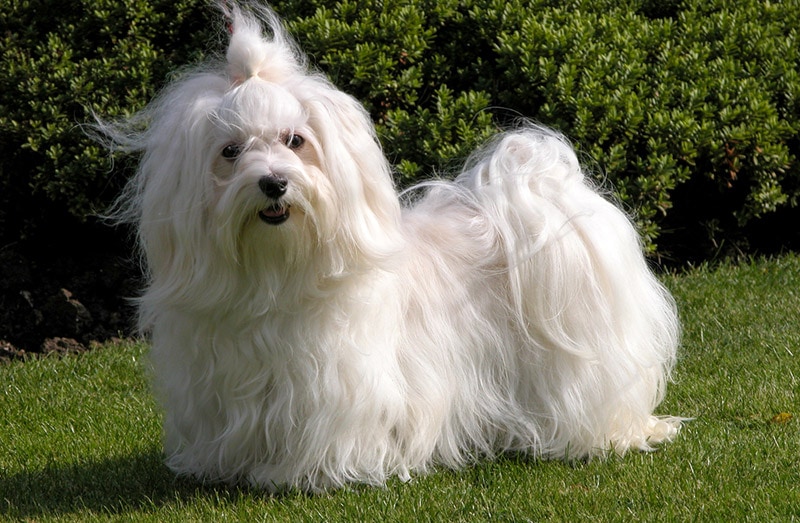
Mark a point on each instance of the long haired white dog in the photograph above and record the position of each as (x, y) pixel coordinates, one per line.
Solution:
(308, 330)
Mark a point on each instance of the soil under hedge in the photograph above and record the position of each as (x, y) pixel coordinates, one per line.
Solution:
(65, 298)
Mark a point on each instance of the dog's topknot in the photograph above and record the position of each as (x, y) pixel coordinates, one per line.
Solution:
(252, 55)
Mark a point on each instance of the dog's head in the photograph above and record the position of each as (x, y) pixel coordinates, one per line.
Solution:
(257, 163)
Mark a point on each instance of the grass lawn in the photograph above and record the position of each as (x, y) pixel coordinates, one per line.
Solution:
(79, 437)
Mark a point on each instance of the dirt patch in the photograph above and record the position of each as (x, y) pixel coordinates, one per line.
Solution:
(64, 301)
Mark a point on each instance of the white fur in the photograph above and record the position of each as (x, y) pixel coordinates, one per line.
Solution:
(511, 309)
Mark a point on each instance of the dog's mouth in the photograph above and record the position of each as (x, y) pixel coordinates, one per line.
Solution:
(275, 214)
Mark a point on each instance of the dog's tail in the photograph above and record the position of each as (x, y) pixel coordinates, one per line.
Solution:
(601, 331)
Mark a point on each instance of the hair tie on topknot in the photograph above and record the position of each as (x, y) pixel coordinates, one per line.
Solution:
(251, 54)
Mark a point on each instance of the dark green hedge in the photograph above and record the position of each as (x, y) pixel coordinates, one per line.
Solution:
(59, 61)
(689, 110)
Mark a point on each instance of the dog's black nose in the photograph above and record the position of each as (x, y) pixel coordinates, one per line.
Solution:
(273, 186)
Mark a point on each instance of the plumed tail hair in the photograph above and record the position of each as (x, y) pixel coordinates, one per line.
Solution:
(605, 329)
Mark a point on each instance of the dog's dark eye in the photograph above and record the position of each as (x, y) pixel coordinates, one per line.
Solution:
(231, 151)
(294, 141)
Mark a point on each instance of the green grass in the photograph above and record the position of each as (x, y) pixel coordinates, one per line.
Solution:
(80, 437)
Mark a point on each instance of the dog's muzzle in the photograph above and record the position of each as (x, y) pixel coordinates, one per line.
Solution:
(274, 187)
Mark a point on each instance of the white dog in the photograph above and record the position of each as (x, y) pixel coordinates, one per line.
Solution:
(308, 330)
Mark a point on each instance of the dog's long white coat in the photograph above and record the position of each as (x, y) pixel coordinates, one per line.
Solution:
(511, 309)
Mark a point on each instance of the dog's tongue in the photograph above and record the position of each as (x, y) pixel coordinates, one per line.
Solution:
(274, 214)
(275, 211)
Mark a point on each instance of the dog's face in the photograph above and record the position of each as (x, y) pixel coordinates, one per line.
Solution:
(265, 158)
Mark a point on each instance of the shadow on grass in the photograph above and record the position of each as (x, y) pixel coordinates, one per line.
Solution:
(112, 486)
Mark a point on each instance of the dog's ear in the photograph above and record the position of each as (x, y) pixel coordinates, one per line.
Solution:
(173, 192)
(368, 206)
